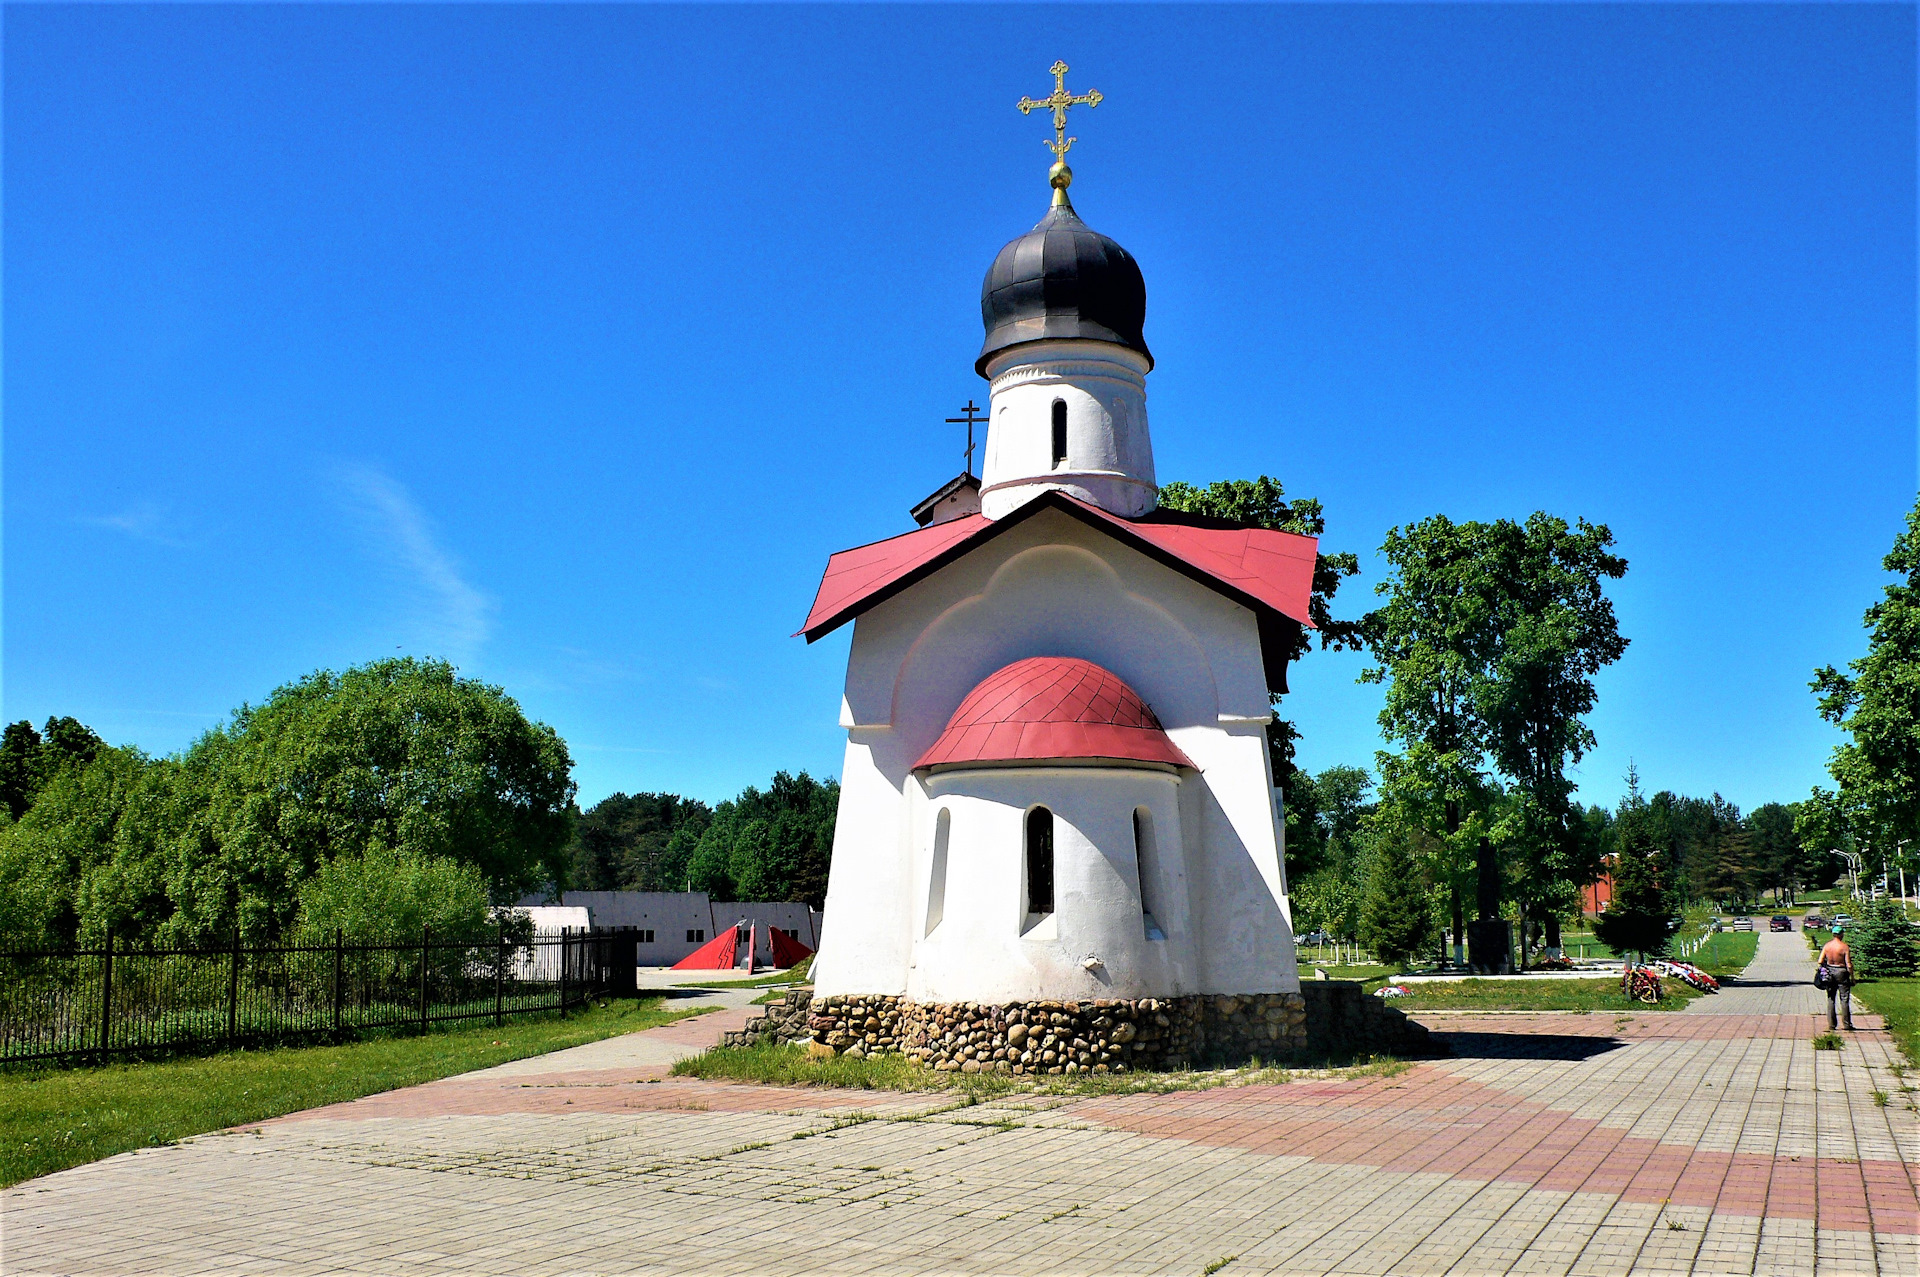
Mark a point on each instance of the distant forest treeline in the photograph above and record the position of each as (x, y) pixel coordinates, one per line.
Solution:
(767, 844)
(1709, 851)
(378, 801)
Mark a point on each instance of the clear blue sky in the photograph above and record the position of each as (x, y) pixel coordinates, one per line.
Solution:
(568, 342)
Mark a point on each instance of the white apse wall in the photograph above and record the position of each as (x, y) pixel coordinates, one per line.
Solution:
(1095, 943)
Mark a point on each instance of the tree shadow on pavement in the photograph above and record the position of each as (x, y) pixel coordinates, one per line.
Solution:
(1526, 1046)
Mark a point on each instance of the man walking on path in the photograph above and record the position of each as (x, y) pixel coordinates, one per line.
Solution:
(1836, 972)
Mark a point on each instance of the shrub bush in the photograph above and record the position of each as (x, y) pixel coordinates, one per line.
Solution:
(1883, 941)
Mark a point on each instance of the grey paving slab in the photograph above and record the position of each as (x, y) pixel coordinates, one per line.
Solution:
(1723, 1151)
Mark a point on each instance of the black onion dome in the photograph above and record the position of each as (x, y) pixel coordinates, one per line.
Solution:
(1063, 279)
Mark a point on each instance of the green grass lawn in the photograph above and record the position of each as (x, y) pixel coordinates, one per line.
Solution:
(1372, 973)
(1583, 944)
(52, 1119)
(1726, 953)
(1541, 995)
(1899, 1001)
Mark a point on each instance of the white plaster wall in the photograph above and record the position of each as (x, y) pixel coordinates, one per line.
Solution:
(1109, 458)
(1233, 857)
(981, 950)
(1055, 587)
(865, 940)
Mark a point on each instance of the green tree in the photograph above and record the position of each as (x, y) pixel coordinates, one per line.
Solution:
(1640, 919)
(1396, 913)
(1430, 644)
(1724, 855)
(384, 896)
(1823, 825)
(768, 844)
(405, 754)
(1488, 643)
(90, 854)
(676, 862)
(1327, 900)
(1877, 703)
(401, 755)
(1323, 816)
(1882, 940)
(30, 759)
(1556, 631)
(622, 842)
(1774, 850)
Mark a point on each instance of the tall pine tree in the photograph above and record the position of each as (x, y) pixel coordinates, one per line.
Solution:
(1640, 919)
(1396, 914)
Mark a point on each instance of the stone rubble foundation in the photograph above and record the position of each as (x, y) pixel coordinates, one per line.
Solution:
(1327, 1019)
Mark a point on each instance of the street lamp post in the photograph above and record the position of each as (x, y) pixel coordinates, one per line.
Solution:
(1852, 860)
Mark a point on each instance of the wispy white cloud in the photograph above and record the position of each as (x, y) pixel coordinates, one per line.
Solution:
(151, 521)
(453, 617)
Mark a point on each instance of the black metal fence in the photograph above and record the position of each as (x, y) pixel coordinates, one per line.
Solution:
(76, 1004)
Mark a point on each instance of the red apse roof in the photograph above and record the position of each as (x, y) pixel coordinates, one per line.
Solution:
(1052, 707)
(1269, 572)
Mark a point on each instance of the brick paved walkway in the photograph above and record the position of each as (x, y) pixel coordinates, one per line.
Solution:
(1779, 981)
(1669, 1142)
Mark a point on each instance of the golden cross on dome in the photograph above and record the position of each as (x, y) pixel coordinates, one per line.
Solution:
(1058, 102)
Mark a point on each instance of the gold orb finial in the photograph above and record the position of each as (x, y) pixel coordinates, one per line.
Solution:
(1060, 176)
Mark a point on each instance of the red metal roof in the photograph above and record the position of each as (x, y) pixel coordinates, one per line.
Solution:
(1052, 707)
(1263, 570)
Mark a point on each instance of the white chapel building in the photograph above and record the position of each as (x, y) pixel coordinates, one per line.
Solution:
(1057, 782)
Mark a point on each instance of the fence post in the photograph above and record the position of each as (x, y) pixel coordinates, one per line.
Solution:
(106, 999)
(563, 971)
(425, 933)
(499, 971)
(233, 990)
(339, 970)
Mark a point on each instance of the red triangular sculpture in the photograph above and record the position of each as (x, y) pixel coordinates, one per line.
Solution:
(787, 952)
(715, 955)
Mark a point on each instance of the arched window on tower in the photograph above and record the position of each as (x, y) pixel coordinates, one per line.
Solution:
(1039, 863)
(1059, 433)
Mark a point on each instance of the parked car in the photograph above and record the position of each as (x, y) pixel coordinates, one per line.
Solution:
(1743, 924)
(1843, 920)
(1812, 920)
(1316, 937)
(1779, 922)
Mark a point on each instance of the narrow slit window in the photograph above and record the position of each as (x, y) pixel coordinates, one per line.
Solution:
(1059, 433)
(1146, 866)
(937, 879)
(1039, 861)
